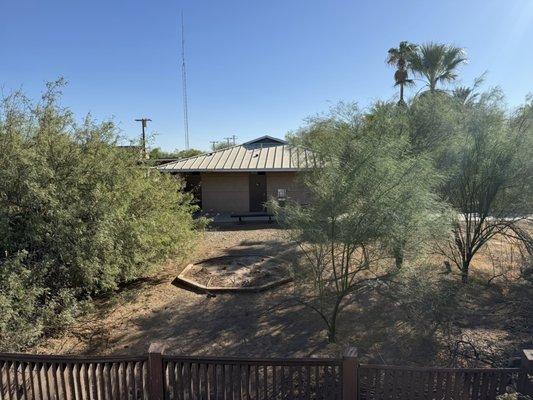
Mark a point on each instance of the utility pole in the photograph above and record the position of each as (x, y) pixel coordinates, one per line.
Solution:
(228, 140)
(144, 123)
(213, 144)
(233, 137)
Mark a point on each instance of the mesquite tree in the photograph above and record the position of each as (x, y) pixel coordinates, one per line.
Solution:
(490, 186)
(362, 188)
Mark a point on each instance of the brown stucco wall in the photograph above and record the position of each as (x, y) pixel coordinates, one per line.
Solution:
(229, 191)
(225, 192)
(289, 181)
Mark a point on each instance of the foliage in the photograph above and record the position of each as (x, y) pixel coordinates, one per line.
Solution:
(489, 184)
(221, 145)
(77, 216)
(437, 63)
(469, 94)
(427, 300)
(157, 153)
(363, 188)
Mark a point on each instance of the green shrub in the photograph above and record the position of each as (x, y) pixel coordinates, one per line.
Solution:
(78, 216)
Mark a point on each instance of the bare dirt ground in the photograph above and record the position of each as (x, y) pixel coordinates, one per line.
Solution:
(271, 323)
(154, 310)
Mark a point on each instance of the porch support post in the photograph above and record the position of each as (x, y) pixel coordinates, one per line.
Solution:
(155, 372)
(349, 374)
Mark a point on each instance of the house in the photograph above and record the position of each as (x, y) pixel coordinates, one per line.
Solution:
(240, 179)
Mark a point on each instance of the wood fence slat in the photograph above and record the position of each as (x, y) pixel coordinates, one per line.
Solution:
(38, 368)
(90, 383)
(385, 381)
(55, 380)
(247, 381)
(93, 382)
(206, 384)
(132, 385)
(136, 377)
(79, 381)
(231, 384)
(265, 381)
(2, 391)
(475, 386)
(493, 386)
(308, 383)
(72, 381)
(484, 392)
(211, 373)
(23, 386)
(181, 379)
(122, 381)
(48, 380)
(224, 377)
(170, 381)
(100, 381)
(16, 379)
(8, 380)
(457, 385)
(274, 383)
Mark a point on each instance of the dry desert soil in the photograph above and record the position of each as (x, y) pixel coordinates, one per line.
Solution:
(272, 323)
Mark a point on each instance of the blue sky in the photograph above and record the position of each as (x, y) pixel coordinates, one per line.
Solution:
(254, 67)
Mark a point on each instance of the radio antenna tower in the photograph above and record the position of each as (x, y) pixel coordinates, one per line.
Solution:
(184, 85)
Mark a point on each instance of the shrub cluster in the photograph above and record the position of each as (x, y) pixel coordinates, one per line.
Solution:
(78, 216)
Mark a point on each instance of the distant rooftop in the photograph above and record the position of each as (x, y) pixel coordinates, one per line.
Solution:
(265, 153)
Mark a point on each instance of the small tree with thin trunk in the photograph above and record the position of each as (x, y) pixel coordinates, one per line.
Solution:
(491, 184)
(360, 186)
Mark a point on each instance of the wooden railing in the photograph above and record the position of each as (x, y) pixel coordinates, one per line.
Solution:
(158, 376)
(385, 382)
(69, 378)
(237, 378)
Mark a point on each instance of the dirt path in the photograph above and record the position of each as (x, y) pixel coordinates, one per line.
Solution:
(154, 310)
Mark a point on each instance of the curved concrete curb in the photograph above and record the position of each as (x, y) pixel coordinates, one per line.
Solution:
(191, 284)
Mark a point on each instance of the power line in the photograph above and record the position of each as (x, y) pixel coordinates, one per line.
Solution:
(184, 85)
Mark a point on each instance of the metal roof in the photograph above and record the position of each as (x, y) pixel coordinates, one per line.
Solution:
(263, 154)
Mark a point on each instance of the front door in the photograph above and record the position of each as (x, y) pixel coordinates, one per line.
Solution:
(258, 191)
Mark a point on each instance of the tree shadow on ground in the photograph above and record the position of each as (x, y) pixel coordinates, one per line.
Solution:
(255, 325)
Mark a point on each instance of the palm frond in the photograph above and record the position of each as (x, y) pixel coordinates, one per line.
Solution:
(437, 62)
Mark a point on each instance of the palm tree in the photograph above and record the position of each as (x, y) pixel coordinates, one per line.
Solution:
(468, 94)
(399, 57)
(437, 63)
